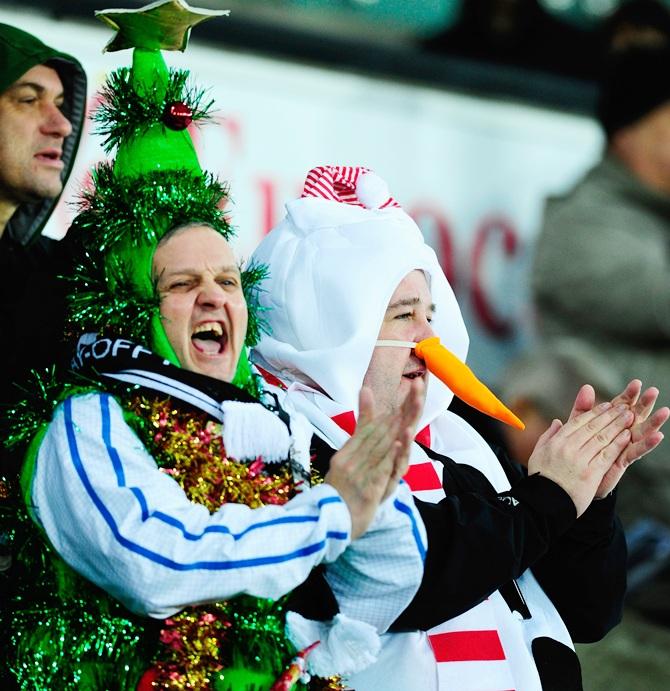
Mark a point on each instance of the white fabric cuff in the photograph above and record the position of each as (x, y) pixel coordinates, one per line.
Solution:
(345, 645)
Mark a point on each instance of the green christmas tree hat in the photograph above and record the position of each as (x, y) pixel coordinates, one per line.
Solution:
(154, 184)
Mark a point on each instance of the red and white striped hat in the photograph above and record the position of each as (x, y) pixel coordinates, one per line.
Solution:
(348, 185)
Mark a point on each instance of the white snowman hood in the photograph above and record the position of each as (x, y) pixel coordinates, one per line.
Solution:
(334, 263)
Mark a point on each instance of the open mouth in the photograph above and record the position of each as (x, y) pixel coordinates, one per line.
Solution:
(51, 157)
(209, 338)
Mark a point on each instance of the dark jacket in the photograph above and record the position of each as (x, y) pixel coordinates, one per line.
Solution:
(480, 541)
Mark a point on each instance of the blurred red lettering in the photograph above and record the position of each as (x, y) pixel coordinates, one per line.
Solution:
(438, 235)
(492, 229)
(267, 189)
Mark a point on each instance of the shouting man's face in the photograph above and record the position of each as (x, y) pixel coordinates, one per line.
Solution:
(202, 303)
(407, 318)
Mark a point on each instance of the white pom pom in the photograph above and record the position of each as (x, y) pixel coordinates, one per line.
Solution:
(250, 430)
(371, 190)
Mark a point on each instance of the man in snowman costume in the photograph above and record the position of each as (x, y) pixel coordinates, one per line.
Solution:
(520, 563)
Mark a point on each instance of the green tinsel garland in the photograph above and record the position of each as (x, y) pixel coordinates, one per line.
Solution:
(60, 631)
(124, 113)
(70, 648)
(101, 298)
(43, 393)
(66, 634)
(260, 635)
(144, 208)
(252, 277)
(96, 306)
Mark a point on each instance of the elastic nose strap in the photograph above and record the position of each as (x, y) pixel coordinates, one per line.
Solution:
(396, 344)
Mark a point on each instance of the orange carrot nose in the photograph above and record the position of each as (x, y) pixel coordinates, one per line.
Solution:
(462, 381)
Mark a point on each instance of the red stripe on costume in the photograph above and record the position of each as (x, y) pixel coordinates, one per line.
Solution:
(270, 378)
(422, 476)
(338, 183)
(467, 646)
(319, 189)
(423, 436)
(390, 202)
(345, 421)
(347, 197)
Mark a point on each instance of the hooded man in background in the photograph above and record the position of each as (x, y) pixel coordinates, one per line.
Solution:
(42, 107)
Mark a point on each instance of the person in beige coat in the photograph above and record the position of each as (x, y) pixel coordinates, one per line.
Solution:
(601, 275)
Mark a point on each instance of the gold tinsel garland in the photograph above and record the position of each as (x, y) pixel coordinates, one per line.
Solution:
(189, 447)
(196, 642)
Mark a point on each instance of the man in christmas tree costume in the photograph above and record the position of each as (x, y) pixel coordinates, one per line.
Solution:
(173, 508)
(355, 296)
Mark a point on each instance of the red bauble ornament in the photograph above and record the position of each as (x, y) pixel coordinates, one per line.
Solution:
(177, 115)
(146, 683)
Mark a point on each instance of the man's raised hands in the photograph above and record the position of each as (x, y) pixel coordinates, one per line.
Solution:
(645, 430)
(577, 455)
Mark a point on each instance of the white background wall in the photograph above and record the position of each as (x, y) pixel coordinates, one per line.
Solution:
(473, 172)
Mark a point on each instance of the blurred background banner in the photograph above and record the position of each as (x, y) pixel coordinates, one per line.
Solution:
(486, 118)
(470, 149)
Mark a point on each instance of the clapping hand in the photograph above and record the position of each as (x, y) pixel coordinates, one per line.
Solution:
(367, 469)
(645, 429)
(576, 455)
